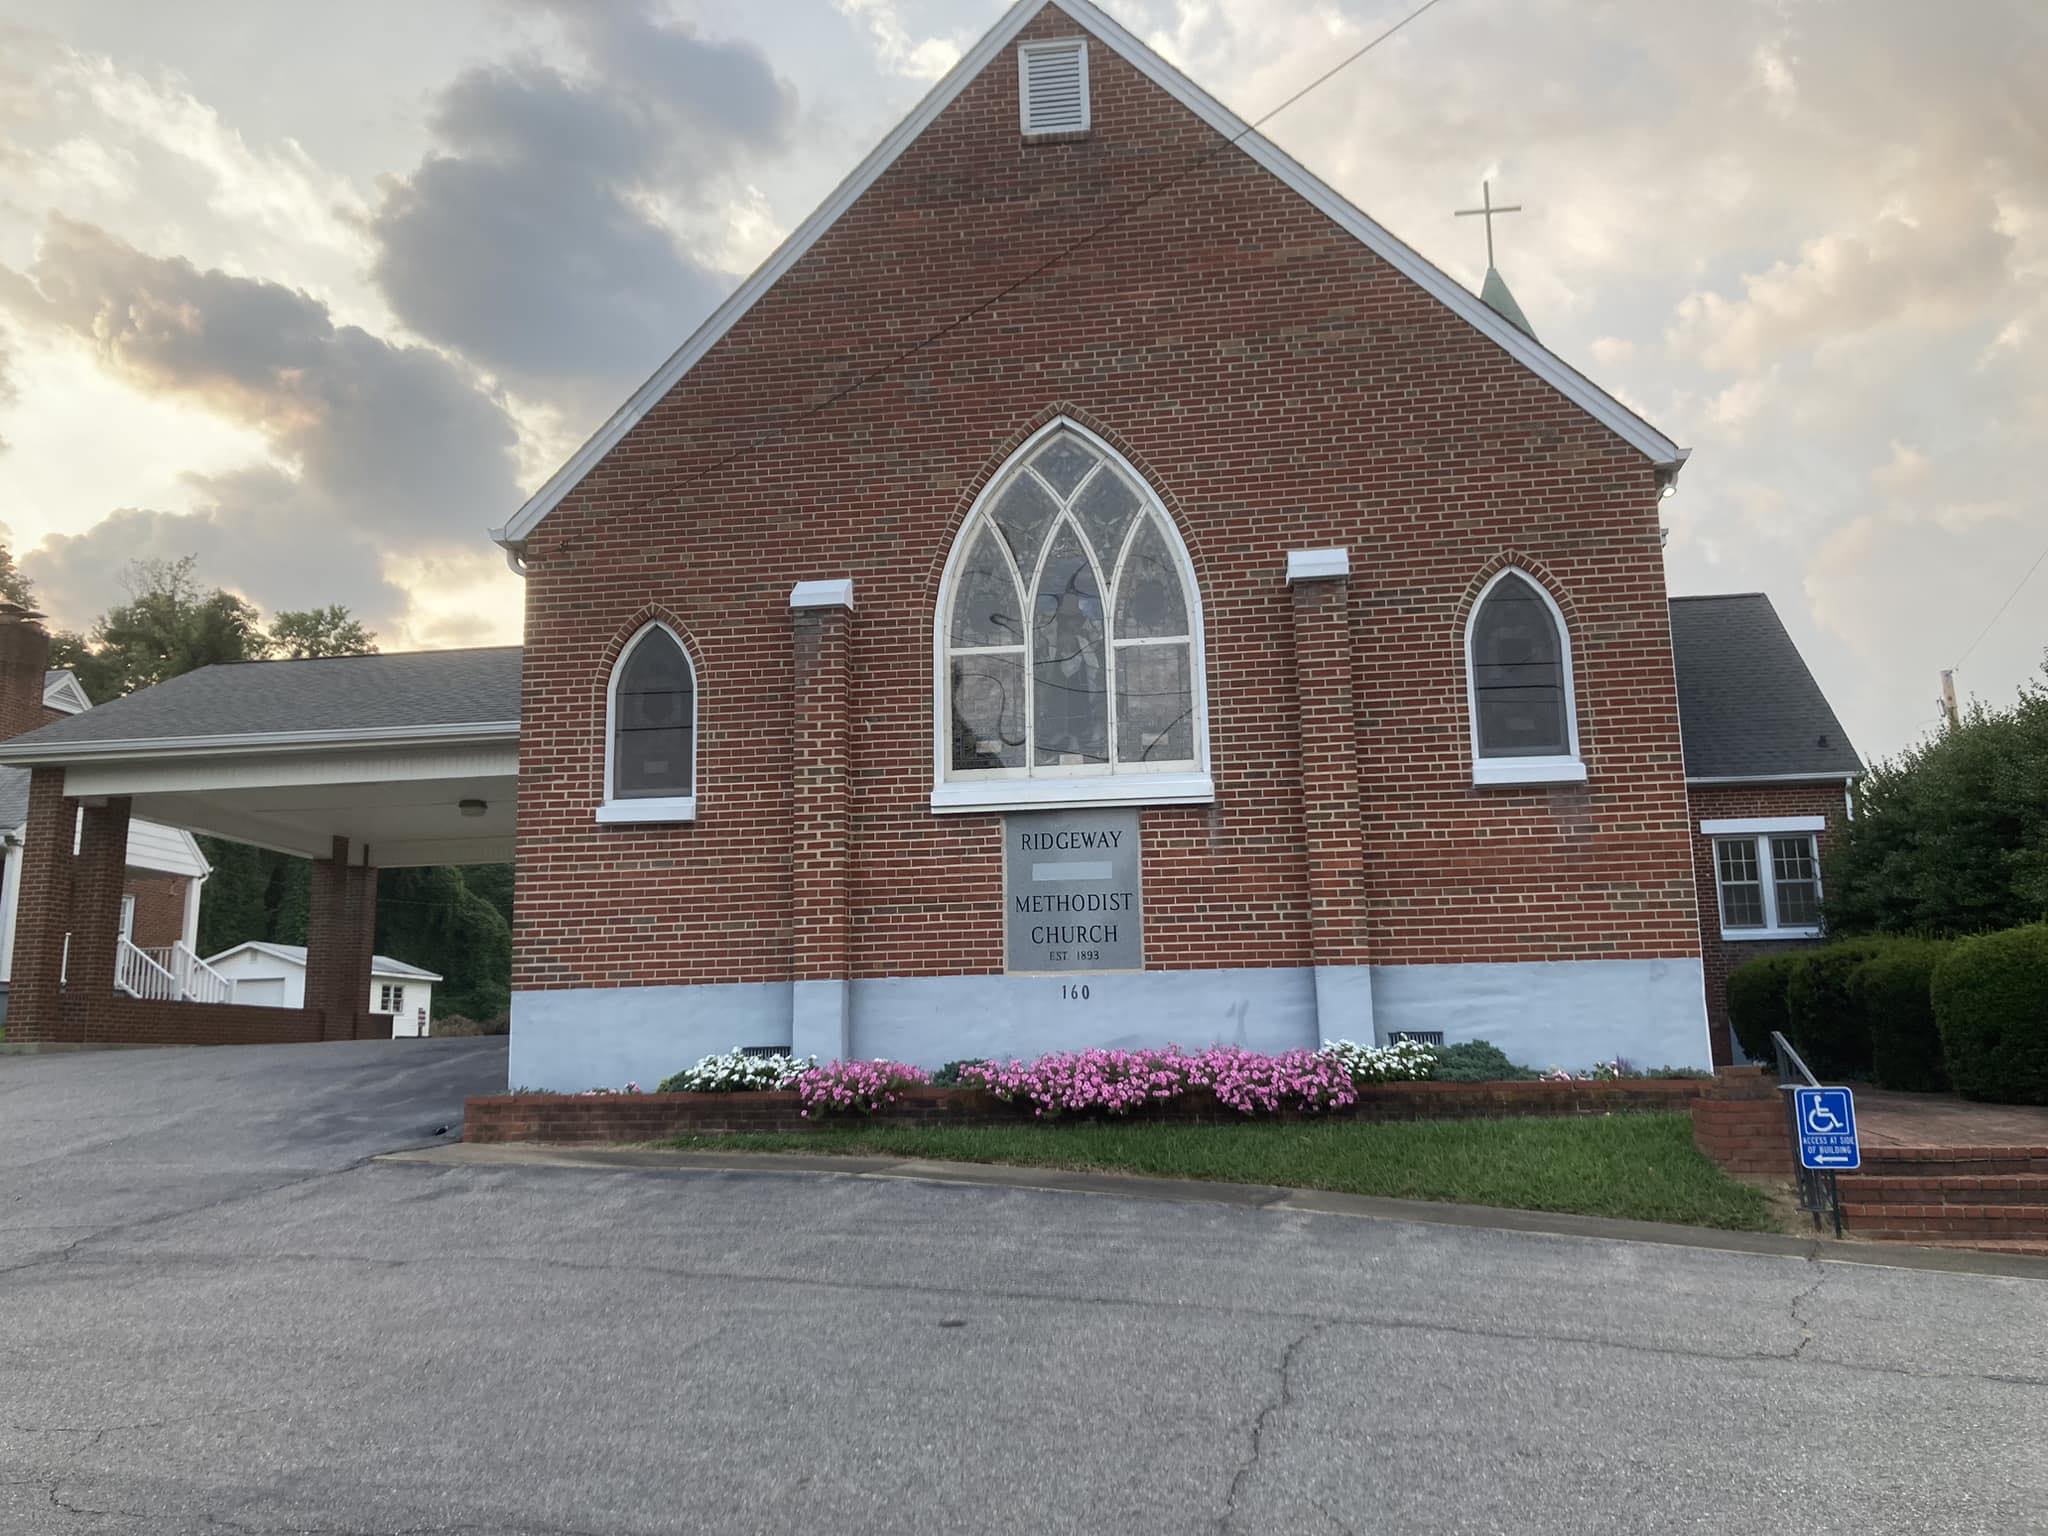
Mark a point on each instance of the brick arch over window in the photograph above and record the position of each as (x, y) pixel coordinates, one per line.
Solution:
(651, 689)
(1521, 692)
(1068, 661)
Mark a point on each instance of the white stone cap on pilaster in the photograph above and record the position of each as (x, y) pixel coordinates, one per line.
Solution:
(822, 594)
(1317, 564)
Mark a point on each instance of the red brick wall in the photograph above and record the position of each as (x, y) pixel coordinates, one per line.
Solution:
(1282, 388)
(565, 1118)
(1716, 802)
(159, 908)
(1742, 1124)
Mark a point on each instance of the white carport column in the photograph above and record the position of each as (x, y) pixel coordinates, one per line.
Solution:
(821, 1019)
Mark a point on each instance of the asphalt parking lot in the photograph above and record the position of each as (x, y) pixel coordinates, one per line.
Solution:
(219, 1313)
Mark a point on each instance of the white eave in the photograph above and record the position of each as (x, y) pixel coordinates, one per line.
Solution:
(483, 732)
(1538, 359)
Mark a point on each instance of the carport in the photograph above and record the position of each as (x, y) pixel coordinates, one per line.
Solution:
(359, 763)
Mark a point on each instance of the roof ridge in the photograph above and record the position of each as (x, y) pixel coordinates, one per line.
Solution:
(1715, 597)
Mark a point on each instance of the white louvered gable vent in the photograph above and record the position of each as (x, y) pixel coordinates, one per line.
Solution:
(1052, 80)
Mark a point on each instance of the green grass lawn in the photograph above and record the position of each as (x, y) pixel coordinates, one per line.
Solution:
(1633, 1165)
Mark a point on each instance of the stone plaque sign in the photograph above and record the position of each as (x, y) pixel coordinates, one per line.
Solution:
(1070, 892)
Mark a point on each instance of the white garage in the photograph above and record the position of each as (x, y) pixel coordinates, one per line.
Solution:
(274, 976)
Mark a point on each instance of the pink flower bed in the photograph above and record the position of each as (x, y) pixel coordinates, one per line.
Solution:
(1117, 1082)
(858, 1086)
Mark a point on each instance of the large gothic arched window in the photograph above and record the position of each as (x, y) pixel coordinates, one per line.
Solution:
(650, 770)
(1070, 640)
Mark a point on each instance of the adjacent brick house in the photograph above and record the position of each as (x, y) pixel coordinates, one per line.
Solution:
(1768, 768)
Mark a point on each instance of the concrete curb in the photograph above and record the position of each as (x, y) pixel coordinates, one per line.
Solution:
(1265, 1197)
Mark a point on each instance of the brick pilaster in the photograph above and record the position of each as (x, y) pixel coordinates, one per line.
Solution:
(99, 875)
(341, 926)
(820, 615)
(43, 911)
(1333, 841)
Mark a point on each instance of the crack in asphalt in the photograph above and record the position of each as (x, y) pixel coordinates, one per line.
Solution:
(1283, 1397)
(1805, 1326)
(540, 1262)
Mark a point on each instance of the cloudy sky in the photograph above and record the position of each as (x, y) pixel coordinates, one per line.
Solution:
(318, 292)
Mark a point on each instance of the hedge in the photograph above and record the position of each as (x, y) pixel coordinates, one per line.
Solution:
(1991, 1004)
(1894, 992)
(1756, 1003)
(1828, 1027)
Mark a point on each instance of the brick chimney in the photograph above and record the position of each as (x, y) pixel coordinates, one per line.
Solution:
(24, 658)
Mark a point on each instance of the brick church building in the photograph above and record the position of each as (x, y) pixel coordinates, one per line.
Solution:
(1091, 585)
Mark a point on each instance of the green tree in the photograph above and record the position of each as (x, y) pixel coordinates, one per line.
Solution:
(430, 917)
(1951, 836)
(15, 587)
(296, 634)
(167, 627)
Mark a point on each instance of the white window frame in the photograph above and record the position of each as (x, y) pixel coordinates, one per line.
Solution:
(1001, 789)
(1759, 830)
(649, 809)
(1569, 768)
(1051, 45)
(391, 997)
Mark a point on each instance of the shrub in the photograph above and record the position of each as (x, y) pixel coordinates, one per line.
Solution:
(950, 1075)
(861, 1087)
(1991, 1003)
(455, 1026)
(1894, 990)
(1117, 1082)
(1828, 1028)
(1756, 1004)
(1405, 1061)
(736, 1072)
(1477, 1061)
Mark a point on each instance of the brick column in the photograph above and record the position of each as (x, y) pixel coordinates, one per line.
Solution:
(98, 876)
(341, 927)
(1319, 581)
(42, 911)
(821, 1016)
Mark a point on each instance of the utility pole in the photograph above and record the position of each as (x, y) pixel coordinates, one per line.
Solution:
(1948, 699)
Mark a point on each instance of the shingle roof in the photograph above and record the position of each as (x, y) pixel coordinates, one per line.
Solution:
(54, 673)
(407, 690)
(1748, 708)
(380, 965)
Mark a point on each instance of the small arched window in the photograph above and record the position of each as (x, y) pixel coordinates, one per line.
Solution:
(1519, 675)
(650, 770)
(1069, 642)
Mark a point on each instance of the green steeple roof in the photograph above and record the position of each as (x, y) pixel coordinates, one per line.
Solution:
(1495, 296)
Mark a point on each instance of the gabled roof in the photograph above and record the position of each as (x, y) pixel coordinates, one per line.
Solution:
(295, 954)
(407, 696)
(62, 690)
(1524, 348)
(1748, 708)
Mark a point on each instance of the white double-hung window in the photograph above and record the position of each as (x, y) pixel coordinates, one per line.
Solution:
(1767, 876)
(1068, 645)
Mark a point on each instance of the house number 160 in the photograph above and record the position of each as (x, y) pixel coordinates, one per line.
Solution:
(1074, 992)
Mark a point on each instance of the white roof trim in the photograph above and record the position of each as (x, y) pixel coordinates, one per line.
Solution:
(156, 746)
(1538, 359)
(65, 692)
(295, 954)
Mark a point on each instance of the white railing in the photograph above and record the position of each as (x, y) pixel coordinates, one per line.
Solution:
(196, 981)
(139, 976)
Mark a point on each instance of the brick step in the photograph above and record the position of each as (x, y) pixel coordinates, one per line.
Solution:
(1914, 1221)
(1943, 1161)
(1945, 1189)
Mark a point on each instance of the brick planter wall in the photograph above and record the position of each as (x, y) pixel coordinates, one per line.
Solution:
(1740, 1122)
(116, 1019)
(571, 1119)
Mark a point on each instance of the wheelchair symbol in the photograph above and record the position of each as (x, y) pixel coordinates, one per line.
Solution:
(1822, 1120)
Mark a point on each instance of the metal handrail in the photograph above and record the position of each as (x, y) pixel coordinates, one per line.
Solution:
(1818, 1194)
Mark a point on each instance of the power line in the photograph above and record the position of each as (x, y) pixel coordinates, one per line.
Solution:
(2015, 592)
(1052, 261)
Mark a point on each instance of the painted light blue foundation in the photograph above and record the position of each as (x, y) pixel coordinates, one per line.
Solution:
(1566, 1013)
(605, 1037)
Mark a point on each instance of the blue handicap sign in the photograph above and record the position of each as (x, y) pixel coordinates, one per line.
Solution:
(1827, 1128)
